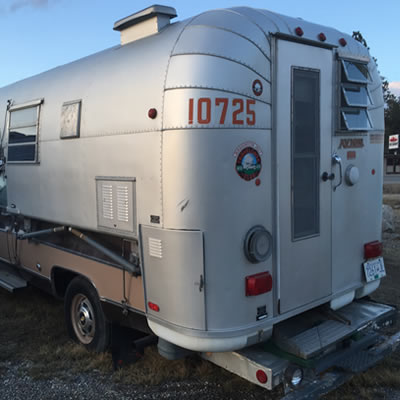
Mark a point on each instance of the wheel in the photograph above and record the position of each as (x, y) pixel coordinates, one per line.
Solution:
(84, 316)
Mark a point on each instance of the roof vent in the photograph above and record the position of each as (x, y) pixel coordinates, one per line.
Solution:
(144, 23)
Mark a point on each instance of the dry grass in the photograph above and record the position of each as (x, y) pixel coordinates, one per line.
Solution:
(32, 331)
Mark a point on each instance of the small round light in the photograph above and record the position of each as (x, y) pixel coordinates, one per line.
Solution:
(322, 37)
(294, 376)
(261, 376)
(373, 172)
(258, 182)
(258, 244)
(299, 31)
(152, 113)
(342, 42)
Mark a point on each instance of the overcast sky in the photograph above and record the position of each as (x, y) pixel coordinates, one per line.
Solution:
(36, 35)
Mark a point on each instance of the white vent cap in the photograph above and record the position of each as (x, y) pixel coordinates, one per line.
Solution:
(144, 23)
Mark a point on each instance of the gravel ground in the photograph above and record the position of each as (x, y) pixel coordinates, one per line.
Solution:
(96, 386)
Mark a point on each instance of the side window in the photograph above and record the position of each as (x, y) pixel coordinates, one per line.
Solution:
(23, 129)
(354, 98)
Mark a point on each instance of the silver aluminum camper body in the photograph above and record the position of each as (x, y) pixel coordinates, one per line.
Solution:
(238, 145)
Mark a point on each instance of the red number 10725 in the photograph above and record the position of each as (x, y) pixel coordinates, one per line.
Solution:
(241, 113)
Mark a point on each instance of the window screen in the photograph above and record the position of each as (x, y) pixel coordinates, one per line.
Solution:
(22, 134)
(305, 153)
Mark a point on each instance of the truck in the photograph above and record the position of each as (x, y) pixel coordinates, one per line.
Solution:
(215, 183)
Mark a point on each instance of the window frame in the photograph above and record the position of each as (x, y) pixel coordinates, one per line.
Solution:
(350, 86)
(342, 105)
(352, 80)
(344, 110)
(17, 107)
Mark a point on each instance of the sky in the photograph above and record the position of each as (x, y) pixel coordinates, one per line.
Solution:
(37, 35)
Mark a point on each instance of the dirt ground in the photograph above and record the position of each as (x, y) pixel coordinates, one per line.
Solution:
(38, 361)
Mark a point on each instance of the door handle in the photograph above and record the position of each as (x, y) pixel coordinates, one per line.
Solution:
(326, 177)
(336, 159)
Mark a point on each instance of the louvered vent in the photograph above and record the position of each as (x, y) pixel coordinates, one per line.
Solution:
(123, 203)
(155, 248)
(116, 208)
(107, 201)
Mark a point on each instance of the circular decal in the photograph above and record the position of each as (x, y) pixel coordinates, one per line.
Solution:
(257, 87)
(248, 163)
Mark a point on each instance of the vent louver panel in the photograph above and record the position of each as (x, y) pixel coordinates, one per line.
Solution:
(116, 208)
(107, 201)
(123, 203)
(155, 248)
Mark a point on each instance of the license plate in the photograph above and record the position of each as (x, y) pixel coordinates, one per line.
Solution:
(374, 269)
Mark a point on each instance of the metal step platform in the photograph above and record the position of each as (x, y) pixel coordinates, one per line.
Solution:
(317, 331)
(9, 279)
(356, 342)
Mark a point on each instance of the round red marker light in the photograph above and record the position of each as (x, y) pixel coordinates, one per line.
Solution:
(258, 182)
(342, 42)
(299, 31)
(152, 113)
(322, 37)
(373, 172)
(261, 376)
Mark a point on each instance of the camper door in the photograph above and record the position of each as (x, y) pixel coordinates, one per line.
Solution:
(304, 173)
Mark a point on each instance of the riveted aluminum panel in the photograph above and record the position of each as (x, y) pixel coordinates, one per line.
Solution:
(117, 138)
(358, 205)
(174, 274)
(198, 39)
(233, 21)
(225, 212)
(199, 71)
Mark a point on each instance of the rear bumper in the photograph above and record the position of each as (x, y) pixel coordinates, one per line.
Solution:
(209, 342)
(353, 345)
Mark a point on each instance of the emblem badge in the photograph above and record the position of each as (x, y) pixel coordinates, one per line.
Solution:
(257, 87)
(248, 163)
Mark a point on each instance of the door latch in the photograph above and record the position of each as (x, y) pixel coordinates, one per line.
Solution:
(325, 176)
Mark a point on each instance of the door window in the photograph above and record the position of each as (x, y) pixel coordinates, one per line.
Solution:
(305, 153)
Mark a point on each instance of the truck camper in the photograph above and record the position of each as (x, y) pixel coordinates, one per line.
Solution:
(215, 182)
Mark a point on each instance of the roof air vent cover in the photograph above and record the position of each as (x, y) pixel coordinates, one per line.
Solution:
(144, 23)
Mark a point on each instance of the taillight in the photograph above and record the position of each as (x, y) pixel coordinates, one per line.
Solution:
(258, 283)
(373, 249)
(261, 376)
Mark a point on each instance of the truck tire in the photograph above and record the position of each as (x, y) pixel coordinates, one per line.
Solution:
(84, 316)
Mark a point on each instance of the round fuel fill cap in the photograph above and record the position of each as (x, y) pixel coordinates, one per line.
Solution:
(258, 244)
(352, 175)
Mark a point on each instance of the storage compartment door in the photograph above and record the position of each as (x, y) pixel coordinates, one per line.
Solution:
(173, 266)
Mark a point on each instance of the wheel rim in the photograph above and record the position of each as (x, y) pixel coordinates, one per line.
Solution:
(82, 318)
